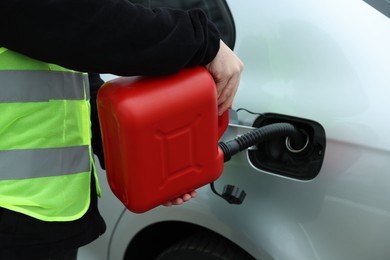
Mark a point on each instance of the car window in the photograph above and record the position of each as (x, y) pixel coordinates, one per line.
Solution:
(216, 10)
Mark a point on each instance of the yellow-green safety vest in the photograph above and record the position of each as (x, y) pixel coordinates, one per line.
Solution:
(45, 139)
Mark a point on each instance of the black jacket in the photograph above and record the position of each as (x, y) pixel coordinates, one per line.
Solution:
(108, 36)
(96, 82)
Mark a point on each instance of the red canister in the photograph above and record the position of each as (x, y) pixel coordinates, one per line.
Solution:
(160, 136)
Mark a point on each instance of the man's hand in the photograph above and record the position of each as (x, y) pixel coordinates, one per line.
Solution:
(180, 200)
(226, 70)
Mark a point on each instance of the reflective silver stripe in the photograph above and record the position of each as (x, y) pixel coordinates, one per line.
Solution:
(37, 85)
(23, 164)
(86, 85)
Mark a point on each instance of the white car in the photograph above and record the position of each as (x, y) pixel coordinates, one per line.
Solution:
(323, 66)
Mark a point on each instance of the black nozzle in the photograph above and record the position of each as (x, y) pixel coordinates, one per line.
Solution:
(297, 139)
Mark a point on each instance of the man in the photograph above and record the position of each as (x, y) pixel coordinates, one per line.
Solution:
(48, 188)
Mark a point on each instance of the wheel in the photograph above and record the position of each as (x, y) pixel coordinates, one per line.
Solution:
(205, 246)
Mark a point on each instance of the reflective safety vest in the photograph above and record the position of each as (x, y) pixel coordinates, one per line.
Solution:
(45, 139)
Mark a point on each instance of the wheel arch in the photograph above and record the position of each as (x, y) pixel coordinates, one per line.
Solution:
(163, 235)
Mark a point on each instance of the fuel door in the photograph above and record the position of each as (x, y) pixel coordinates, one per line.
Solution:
(277, 155)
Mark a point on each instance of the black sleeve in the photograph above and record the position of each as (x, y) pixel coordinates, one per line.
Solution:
(96, 82)
(108, 36)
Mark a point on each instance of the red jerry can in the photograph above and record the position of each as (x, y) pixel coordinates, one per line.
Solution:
(160, 136)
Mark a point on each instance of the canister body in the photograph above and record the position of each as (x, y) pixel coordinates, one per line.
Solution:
(160, 136)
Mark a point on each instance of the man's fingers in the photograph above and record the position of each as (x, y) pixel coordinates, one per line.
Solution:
(180, 200)
(225, 99)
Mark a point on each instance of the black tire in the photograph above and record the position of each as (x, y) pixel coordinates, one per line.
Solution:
(205, 246)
